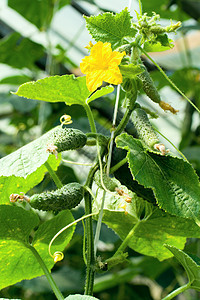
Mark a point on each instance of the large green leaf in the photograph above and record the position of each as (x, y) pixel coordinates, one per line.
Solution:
(19, 52)
(25, 168)
(154, 226)
(191, 265)
(17, 261)
(111, 28)
(66, 88)
(35, 11)
(173, 180)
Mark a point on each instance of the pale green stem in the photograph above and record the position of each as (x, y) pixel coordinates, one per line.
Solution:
(99, 222)
(65, 228)
(140, 6)
(53, 175)
(129, 4)
(76, 163)
(90, 118)
(126, 241)
(177, 291)
(50, 279)
(168, 79)
(113, 130)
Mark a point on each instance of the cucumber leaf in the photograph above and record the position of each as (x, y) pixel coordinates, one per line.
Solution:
(191, 264)
(173, 180)
(66, 88)
(17, 260)
(154, 227)
(111, 28)
(25, 168)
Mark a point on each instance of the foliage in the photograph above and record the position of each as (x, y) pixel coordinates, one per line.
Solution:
(147, 196)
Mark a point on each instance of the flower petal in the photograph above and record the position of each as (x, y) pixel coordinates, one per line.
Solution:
(101, 65)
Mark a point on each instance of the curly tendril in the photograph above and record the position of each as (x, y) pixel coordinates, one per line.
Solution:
(65, 120)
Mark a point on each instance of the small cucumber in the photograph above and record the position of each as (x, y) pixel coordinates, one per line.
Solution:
(149, 86)
(67, 138)
(144, 127)
(69, 196)
(108, 182)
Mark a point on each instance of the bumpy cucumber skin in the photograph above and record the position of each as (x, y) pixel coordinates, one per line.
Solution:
(149, 86)
(108, 182)
(68, 139)
(144, 127)
(68, 197)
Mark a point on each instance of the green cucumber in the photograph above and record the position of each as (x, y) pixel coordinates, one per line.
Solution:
(68, 197)
(149, 86)
(144, 127)
(67, 138)
(108, 182)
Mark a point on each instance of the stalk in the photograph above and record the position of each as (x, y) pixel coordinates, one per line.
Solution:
(125, 242)
(53, 175)
(177, 291)
(48, 275)
(90, 238)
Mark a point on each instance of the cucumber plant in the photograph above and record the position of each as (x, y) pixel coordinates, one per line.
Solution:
(111, 195)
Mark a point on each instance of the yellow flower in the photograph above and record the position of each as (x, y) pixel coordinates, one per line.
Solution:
(102, 65)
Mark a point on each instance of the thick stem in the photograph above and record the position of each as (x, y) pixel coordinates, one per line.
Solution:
(50, 279)
(177, 291)
(89, 235)
(125, 242)
(168, 79)
(53, 175)
(90, 240)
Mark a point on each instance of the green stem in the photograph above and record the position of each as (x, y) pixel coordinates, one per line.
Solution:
(124, 121)
(177, 291)
(53, 175)
(90, 238)
(140, 6)
(118, 165)
(168, 79)
(50, 279)
(90, 118)
(89, 283)
(125, 242)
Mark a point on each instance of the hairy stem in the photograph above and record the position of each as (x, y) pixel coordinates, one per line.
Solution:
(177, 291)
(53, 175)
(89, 235)
(50, 279)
